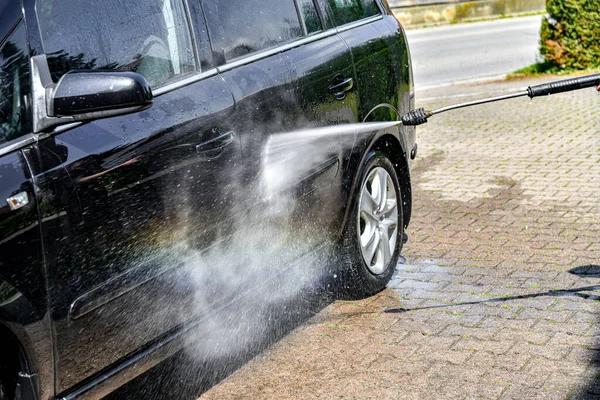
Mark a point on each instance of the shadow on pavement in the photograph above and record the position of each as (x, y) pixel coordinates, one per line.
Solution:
(577, 292)
(592, 391)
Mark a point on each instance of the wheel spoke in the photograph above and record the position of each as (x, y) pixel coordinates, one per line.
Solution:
(369, 228)
(371, 247)
(382, 178)
(390, 206)
(388, 223)
(370, 223)
(367, 203)
(393, 239)
(385, 247)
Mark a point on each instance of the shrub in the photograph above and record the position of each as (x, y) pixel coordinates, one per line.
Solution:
(570, 35)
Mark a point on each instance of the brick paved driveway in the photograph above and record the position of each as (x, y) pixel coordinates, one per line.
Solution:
(499, 296)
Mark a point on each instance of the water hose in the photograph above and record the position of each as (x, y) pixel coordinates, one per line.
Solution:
(419, 116)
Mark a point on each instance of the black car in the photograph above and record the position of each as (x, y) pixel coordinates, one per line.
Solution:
(137, 134)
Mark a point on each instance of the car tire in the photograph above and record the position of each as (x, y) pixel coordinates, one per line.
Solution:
(374, 222)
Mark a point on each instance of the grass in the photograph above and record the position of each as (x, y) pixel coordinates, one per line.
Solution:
(542, 69)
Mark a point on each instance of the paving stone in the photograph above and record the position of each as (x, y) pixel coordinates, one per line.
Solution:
(426, 294)
(509, 361)
(563, 385)
(574, 305)
(542, 365)
(511, 323)
(584, 355)
(491, 346)
(445, 356)
(438, 342)
(557, 316)
(518, 392)
(404, 325)
(469, 332)
(525, 336)
(454, 317)
(556, 352)
(570, 327)
(561, 338)
(493, 309)
(482, 390)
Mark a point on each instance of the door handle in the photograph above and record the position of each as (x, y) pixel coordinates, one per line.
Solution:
(341, 86)
(216, 144)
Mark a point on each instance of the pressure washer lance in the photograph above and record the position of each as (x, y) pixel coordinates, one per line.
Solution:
(420, 115)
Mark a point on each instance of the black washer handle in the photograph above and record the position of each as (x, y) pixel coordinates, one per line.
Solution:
(566, 85)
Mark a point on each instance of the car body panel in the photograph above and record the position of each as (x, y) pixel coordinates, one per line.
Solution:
(119, 206)
(289, 93)
(130, 195)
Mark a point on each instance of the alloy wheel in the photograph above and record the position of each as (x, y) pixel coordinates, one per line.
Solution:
(378, 220)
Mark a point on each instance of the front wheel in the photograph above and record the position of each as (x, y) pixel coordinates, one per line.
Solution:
(373, 235)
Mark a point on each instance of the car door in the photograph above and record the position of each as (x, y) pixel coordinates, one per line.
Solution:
(283, 65)
(365, 28)
(127, 202)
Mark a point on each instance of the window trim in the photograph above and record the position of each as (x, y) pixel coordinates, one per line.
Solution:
(193, 38)
(382, 12)
(31, 138)
(18, 143)
(184, 81)
(301, 19)
(10, 31)
(11, 13)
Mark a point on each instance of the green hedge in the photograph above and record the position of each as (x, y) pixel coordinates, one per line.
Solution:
(570, 37)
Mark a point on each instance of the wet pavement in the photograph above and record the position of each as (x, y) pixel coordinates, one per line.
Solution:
(499, 295)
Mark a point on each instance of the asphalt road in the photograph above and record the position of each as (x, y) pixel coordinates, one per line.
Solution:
(474, 51)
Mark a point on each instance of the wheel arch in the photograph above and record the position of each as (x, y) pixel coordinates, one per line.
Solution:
(389, 144)
(29, 334)
(16, 363)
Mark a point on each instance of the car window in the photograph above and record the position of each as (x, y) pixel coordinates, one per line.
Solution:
(310, 16)
(150, 37)
(345, 11)
(240, 27)
(15, 87)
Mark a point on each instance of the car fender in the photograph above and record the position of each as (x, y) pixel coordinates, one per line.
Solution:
(358, 157)
(32, 330)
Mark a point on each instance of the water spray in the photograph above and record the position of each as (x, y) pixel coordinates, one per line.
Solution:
(420, 115)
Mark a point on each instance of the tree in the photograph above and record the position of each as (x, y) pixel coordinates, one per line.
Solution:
(570, 35)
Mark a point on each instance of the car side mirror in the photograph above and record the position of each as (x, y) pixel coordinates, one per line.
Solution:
(86, 95)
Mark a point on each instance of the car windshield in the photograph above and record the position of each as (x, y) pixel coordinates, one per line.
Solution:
(14, 86)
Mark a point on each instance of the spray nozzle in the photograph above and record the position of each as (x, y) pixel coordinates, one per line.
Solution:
(416, 117)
